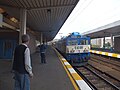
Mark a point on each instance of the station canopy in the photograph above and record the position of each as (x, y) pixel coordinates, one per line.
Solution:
(105, 31)
(46, 16)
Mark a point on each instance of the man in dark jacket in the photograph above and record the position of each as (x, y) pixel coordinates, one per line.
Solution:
(42, 52)
(22, 65)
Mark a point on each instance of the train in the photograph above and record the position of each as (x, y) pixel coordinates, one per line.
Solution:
(75, 48)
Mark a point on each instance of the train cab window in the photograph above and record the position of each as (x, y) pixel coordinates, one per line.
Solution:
(72, 42)
(84, 42)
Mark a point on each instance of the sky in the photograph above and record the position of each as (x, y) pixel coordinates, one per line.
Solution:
(90, 14)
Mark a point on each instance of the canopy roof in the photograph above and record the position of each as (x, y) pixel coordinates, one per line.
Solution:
(105, 31)
(46, 16)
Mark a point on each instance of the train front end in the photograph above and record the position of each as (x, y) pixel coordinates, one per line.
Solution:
(77, 49)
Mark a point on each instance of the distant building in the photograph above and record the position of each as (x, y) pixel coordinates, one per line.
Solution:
(99, 42)
(96, 43)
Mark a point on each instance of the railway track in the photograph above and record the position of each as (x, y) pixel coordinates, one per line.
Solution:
(97, 79)
(107, 62)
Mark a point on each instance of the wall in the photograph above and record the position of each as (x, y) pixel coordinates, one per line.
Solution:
(117, 44)
(8, 42)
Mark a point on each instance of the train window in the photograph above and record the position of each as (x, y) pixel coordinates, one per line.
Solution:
(72, 42)
(84, 42)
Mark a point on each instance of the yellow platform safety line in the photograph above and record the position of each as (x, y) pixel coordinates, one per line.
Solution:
(76, 76)
(64, 60)
(68, 66)
(106, 53)
(115, 55)
(71, 78)
(100, 52)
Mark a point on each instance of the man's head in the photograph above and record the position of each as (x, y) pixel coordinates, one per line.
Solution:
(25, 38)
(43, 42)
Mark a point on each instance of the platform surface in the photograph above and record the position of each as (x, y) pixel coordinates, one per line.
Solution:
(49, 76)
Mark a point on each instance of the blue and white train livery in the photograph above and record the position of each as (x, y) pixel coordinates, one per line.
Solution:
(75, 48)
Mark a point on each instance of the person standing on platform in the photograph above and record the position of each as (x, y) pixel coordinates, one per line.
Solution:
(42, 52)
(22, 65)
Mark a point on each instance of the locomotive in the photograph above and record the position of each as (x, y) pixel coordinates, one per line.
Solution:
(75, 48)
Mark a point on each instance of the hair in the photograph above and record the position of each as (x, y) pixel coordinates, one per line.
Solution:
(25, 38)
(43, 42)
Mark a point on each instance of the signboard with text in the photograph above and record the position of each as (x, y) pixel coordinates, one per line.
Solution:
(78, 49)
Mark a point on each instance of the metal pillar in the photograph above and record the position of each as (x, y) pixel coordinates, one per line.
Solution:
(104, 42)
(1, 20)
(111, 42)
(41, 39)
(96, 41)
(45, 40)
(23, 13)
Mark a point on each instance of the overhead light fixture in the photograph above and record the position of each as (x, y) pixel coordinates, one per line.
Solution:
(49, 18)
(14, 19)
(48, 10)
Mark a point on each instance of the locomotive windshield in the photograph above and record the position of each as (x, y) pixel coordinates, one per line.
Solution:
(72, 42)
(84, 42)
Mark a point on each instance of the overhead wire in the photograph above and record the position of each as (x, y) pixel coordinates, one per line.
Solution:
(80, 12)
(102, 20)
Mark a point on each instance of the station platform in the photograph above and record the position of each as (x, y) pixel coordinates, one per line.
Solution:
(56, 74)
(115, 55)
(49, 76)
